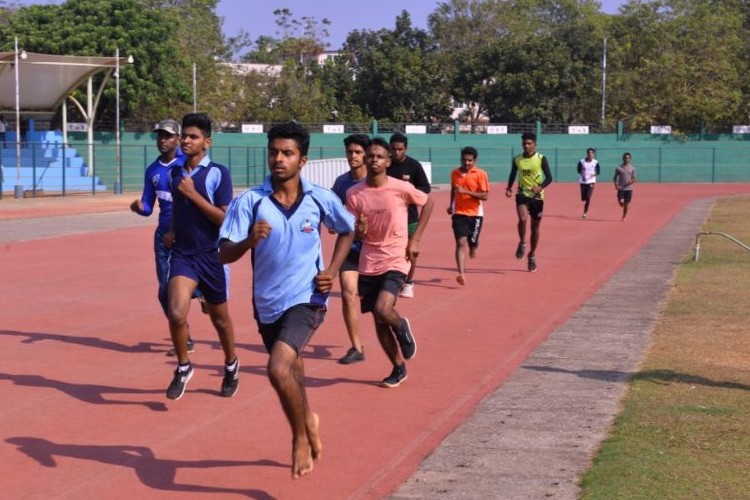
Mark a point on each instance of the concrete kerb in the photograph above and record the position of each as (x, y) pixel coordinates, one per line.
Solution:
(537, 434)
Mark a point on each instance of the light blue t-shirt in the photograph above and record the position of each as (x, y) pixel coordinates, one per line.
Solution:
(285, 263)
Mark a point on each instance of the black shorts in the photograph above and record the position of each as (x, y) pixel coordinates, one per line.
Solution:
(586, 191)
(625, 195)
(295, 327)
(371, 286)
(351, 263)
(535, 205)
(467, 226)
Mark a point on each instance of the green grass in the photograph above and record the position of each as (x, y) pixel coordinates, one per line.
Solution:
(684, 429)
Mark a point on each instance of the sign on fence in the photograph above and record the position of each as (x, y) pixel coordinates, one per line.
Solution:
(333, 128)
(661, 129)
(416, 129)
(578, 129)
(77, 127)
(741, 129)
(497, 129)
(252, 128)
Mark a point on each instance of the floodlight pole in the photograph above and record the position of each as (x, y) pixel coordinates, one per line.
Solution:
(18, 190)
(604, 79)
(195, 88)
(118, 160)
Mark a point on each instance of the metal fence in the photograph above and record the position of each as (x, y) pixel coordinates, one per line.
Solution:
(74, 173)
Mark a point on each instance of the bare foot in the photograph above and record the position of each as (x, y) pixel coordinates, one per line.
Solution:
(302, 461)
(313, 435)
(460, 279)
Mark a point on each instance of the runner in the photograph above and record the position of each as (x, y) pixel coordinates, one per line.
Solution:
(279, 222)
(588, 168)
(534, 176)
(379, 204)
(470, 187)
(202, 191)
(356, 145)
(624, 179)
(408, 169)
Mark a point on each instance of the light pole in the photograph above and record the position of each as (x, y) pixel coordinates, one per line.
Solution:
(18, 189)
(604, 79)
(118, 184)
(118, 152)
(195, 88)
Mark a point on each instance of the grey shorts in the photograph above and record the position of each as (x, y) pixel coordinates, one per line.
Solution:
(295, 327)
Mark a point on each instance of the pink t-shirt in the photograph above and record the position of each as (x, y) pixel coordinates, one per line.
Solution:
(385, 207)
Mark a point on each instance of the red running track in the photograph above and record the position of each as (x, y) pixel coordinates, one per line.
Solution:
(83, 370)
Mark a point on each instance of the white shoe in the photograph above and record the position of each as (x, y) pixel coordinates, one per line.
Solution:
(407, 291)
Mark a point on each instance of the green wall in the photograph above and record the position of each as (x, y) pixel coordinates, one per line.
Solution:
(658, 158)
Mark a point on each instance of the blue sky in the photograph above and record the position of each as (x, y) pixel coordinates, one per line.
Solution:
(345, 16)
(257, 18)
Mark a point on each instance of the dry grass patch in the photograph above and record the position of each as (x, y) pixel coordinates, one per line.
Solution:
(684, 431)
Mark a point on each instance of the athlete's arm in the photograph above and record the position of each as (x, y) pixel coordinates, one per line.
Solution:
(547, 173)
(511, 179)
(420, 179)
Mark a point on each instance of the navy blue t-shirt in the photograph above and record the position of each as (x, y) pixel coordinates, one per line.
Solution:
(194, 232)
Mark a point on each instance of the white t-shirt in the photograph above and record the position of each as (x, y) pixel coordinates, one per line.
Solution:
(588, 171)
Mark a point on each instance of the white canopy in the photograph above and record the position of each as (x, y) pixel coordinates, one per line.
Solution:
(46, 80)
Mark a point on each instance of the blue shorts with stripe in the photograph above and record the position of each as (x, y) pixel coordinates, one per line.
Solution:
(206, 270)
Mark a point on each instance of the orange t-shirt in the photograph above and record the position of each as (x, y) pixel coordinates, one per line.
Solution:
(474, 180)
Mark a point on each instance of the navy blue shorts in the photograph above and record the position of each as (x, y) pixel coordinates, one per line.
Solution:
(626, 195)
(206, 270)
(295, 327)
(371, 286)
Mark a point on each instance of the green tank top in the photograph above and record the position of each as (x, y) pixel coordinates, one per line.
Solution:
(530, 174)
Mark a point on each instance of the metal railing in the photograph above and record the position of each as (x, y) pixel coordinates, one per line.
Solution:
(697, 250)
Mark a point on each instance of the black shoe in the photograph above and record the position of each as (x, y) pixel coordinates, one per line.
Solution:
(231, 381)
(177, 387)
(532, 263)
(190, 349)
(397, 376)
(406, 339)
(352, 356)
(520, 251)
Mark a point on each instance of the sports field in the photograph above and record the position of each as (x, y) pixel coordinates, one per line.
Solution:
(83, 374)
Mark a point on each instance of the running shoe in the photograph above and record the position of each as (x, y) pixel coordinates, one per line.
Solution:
(231, 380)
(352, 356)
(407, 291)
(406, 340)
(532, 263)
(177, 387)
(397, 376)
(521, 251)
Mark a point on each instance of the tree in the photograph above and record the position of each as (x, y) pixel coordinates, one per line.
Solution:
(300, 39)
(398, 75)
(521, 59)
(164, 37)
(683, 67)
